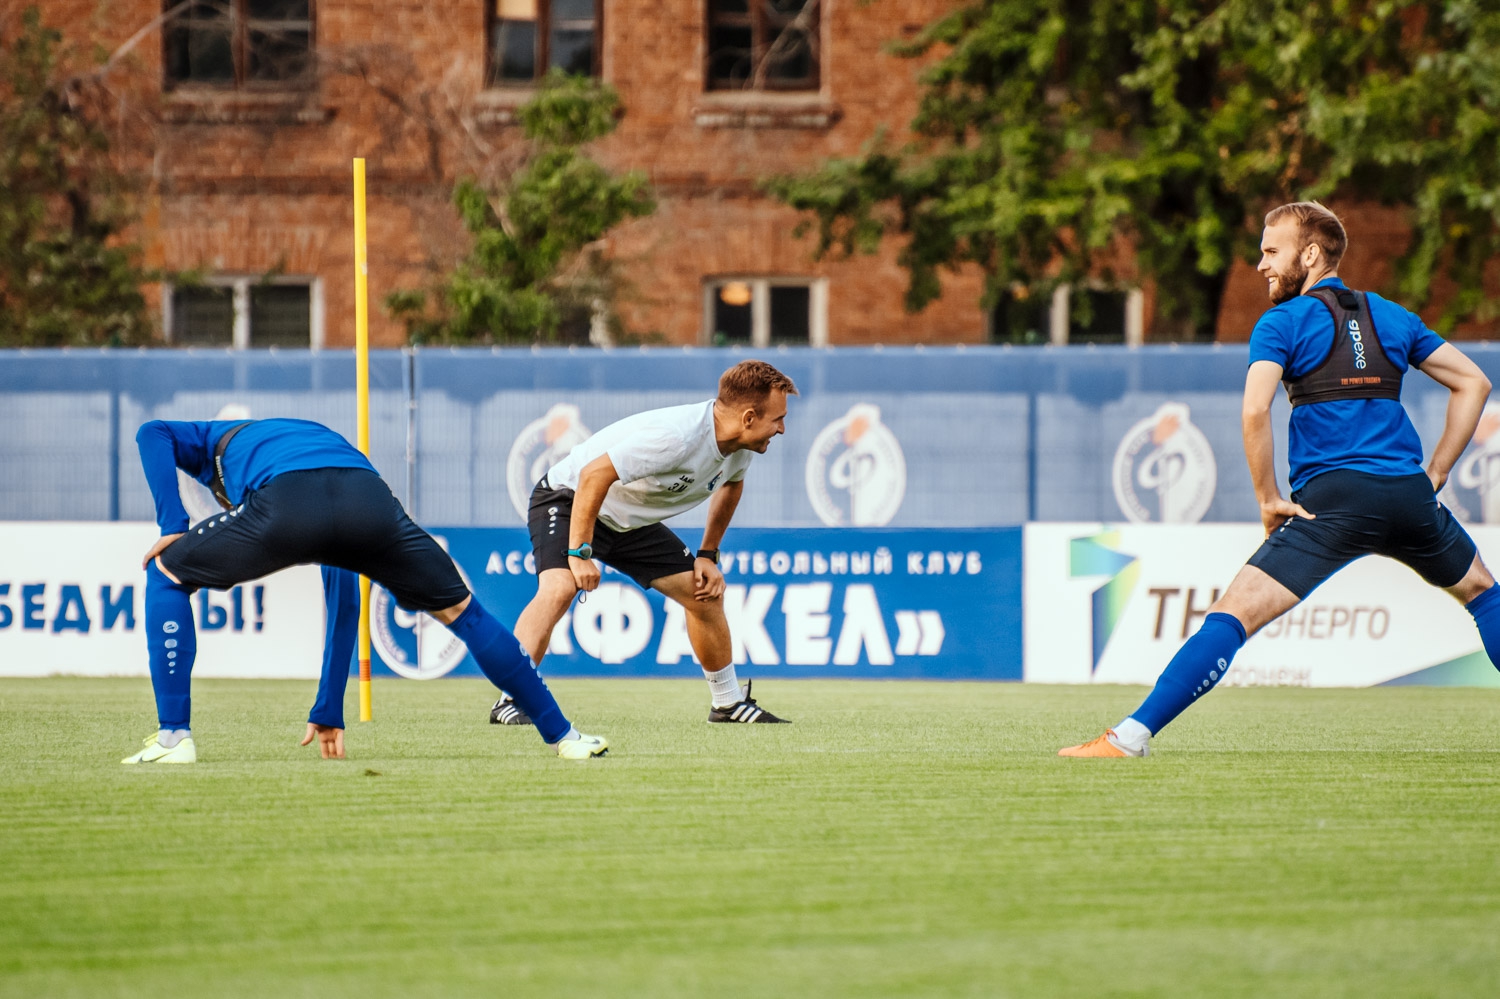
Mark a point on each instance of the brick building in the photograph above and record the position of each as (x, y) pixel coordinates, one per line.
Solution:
(259, 106)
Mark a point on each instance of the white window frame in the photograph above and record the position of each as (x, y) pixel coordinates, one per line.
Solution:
(241, 284)
(1059, 316)
(760, 306)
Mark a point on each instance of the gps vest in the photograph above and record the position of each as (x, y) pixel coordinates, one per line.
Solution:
(1356, 367)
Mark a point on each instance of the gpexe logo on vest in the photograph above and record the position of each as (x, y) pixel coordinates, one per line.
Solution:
(542, 444)
(856, 470)
(411, 643)
(1359, 344)
(1164, 469)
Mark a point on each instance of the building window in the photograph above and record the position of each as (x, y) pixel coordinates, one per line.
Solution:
(1021, 318)
(765, 312)
(1069, 315)
(529, 37)
(245, 313)
(763, 44)
(239, 43)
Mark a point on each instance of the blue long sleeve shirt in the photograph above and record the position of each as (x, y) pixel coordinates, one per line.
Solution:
(256, 455)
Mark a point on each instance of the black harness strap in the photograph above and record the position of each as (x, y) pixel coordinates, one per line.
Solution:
(217, 485)
(1356, 366)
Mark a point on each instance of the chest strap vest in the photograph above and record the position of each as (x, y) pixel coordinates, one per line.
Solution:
(1356, 367)
(217, 485)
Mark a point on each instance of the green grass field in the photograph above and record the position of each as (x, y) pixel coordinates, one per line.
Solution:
(899, 839)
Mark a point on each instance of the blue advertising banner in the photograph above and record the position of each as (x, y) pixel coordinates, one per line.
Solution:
(933, 604)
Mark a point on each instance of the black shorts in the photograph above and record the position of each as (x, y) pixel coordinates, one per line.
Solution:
(644, 554)
(1359, 514)
(343, 517)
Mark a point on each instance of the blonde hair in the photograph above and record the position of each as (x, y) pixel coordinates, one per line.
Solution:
(751, 382)
(1316, 225)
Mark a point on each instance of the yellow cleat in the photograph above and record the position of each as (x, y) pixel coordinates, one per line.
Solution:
(1103, 748)
(581, 747)
(155, 752)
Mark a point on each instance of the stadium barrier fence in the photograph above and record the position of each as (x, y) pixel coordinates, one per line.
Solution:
(1058, 515)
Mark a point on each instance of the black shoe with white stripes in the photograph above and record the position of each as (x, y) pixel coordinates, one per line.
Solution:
(505, 712)
(746, 712)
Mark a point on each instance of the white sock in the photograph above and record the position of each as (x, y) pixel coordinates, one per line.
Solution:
(169, 737)
(724, 686)
(1133, 734)
(572, 733)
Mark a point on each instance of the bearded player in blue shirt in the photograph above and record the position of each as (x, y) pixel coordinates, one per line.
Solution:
(1358, 486)
(295, 492)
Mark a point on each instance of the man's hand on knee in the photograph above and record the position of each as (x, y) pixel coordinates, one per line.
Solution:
(708, 581)
(585, 573)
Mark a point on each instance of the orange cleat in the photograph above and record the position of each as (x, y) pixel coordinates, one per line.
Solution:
(1104, 747)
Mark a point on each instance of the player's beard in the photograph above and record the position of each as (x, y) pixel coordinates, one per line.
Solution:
(1289, 284)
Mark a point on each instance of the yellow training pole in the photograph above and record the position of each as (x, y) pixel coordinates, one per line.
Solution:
(362, 397)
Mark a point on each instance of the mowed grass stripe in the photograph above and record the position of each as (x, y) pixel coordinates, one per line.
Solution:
(898, 839)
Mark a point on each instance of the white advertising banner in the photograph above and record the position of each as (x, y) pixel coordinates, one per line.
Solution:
(72, 600)
(1112, 603)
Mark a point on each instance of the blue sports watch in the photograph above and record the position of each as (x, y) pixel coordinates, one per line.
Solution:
(584, 550)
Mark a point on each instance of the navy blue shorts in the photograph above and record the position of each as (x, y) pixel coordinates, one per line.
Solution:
(1359, 514)
(343, 517)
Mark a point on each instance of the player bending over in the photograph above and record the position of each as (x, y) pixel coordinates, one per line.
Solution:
(296, 492)
(1356, 462)
(607, 499)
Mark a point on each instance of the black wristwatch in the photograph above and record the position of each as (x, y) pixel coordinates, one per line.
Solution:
(712, 554)
(584, 550)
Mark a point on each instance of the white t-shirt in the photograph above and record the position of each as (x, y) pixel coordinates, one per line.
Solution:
(668, 460)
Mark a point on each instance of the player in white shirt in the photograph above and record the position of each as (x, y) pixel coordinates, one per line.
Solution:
(607, 499)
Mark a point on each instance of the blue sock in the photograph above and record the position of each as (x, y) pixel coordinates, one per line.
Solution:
(171, 644)
(1486, 611)
(340, 632)
(1199, 664)
(509, 667)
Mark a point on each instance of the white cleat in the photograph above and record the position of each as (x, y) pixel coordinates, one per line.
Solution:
(155, 752)
(581, 747)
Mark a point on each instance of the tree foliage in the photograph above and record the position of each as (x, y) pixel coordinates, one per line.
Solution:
(68, 275)
(1053, 134)
(532, 267)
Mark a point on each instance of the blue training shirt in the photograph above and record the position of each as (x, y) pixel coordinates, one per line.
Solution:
(1366, 435)
(258, 453)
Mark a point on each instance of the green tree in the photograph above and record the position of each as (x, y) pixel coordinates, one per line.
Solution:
(1053, 134)
(531, 271)
(68, 274)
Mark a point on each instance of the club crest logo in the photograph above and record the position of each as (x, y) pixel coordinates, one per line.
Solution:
(1473, 490)
(856, 471)
(542, 444)
(412, 643)
(1164, 469)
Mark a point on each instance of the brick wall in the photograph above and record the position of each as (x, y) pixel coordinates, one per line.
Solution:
(250, 183)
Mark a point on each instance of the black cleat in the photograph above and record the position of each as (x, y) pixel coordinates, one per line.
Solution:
(746, 712)
(505, 712)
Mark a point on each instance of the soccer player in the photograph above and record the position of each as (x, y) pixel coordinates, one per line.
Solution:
(296, 492)
(1358, 487)
(607, 500)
